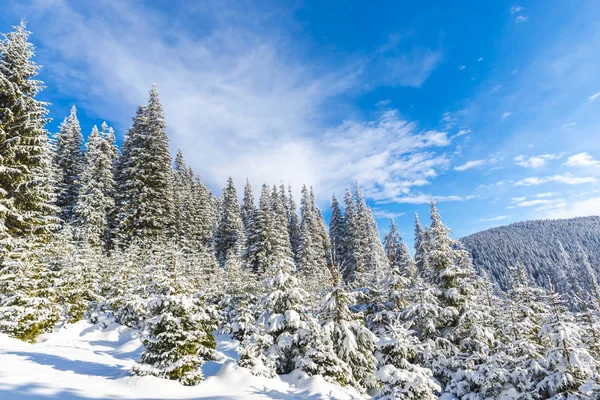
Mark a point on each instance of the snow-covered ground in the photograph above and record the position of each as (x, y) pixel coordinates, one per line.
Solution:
(83, 361)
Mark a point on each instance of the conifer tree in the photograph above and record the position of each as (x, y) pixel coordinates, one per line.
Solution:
(349, 259)
(69, 162)
(145, 177)
(230, 231)
(260, 241)
(338, 231)
(419, 256)
(293, 225)
(96, 200)
(397, 253)
(248, 211)
(26, 195)
(353, 343)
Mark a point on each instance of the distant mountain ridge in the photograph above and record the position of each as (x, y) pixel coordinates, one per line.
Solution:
(535, 245)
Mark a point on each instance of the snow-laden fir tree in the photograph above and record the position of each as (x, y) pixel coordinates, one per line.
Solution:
(179, 338)
(203, 217)
(144, 177)
(571, 371)
(371, 263)
(229, 237)
(248, 209)
(460, 336)
(239, 303)
(69, 164)
(95, 204)
(293, 224)
(260, 242)
(338, 231)
(419, 256)
(26, 194)
(288, 336)
(183, 192)
(397, 253)
(314, 248)
(280, 248)
(353, 343)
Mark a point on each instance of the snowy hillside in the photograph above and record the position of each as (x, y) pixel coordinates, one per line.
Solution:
(84, 361)
(535, 245)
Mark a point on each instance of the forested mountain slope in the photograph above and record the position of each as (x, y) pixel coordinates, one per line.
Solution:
(537, 246)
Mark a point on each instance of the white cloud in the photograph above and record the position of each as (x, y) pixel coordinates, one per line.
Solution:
(498, 218)
(480, 59)
(577, 208)
(531, 203)
(462, 132)
(505, 115)
(496, 88)
(594, 96)
(521, 18)
(535, 161)
(515, 9)
(240, 101)
(567, 179)
(470, 164)
(422, 198)
(462, 67)
(569, 126)
(380, 213)
(581, 160)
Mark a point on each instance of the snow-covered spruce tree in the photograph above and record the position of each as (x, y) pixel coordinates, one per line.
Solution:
(571, 371)
(288, 336)
(353, 343)
(203, 218)
(248, 210)
(462, 336)
(27, 215)
(398, 254)
(240, 299)
(338, 231)
(280, 248)
(229, 237)
(183, 182)
(293, 225)
(419, 256)
(144, 177)
(349, 259)
(26, 195)
(372, 264)
(313, 249)
(260, 242)
(96, 200)
(179, 338)
(69, 164)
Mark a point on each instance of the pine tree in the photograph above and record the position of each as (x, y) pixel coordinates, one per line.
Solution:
(353, 343)
(397, 253)
(96, 200)
(145, 177)
(260, 241)
(281, 247)
(69, 162)
(349, 260)
(338, 232)
(419, 256)
(285, 329)
(230, 231)
(293, 225)
(26, 195)
(248, 211)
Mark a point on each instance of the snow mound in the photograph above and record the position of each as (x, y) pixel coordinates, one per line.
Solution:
(86, 361)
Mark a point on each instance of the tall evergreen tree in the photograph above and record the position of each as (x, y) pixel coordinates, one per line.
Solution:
(25, 188)
(248, 210)
(230, 230)
(338, 231)
(419, 256)
(145, 177)
(293, 225)
(397, 253)
(69, 164)
(96, 201)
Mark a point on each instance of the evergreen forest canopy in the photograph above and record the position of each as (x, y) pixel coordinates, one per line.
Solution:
(111, 234)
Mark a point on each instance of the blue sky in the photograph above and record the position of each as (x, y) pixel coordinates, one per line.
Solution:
(492, 108)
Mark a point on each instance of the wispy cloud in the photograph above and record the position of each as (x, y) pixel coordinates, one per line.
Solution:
(535, 161)
(567, 179)
(575, 208)
(594, 96)
(422, 198)
(515, 9)
(470, 164)
(505, 115)
(492, 219)
(521, 18)
(462, 67)
(581, 160)
(380, 213)
(569, 126)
